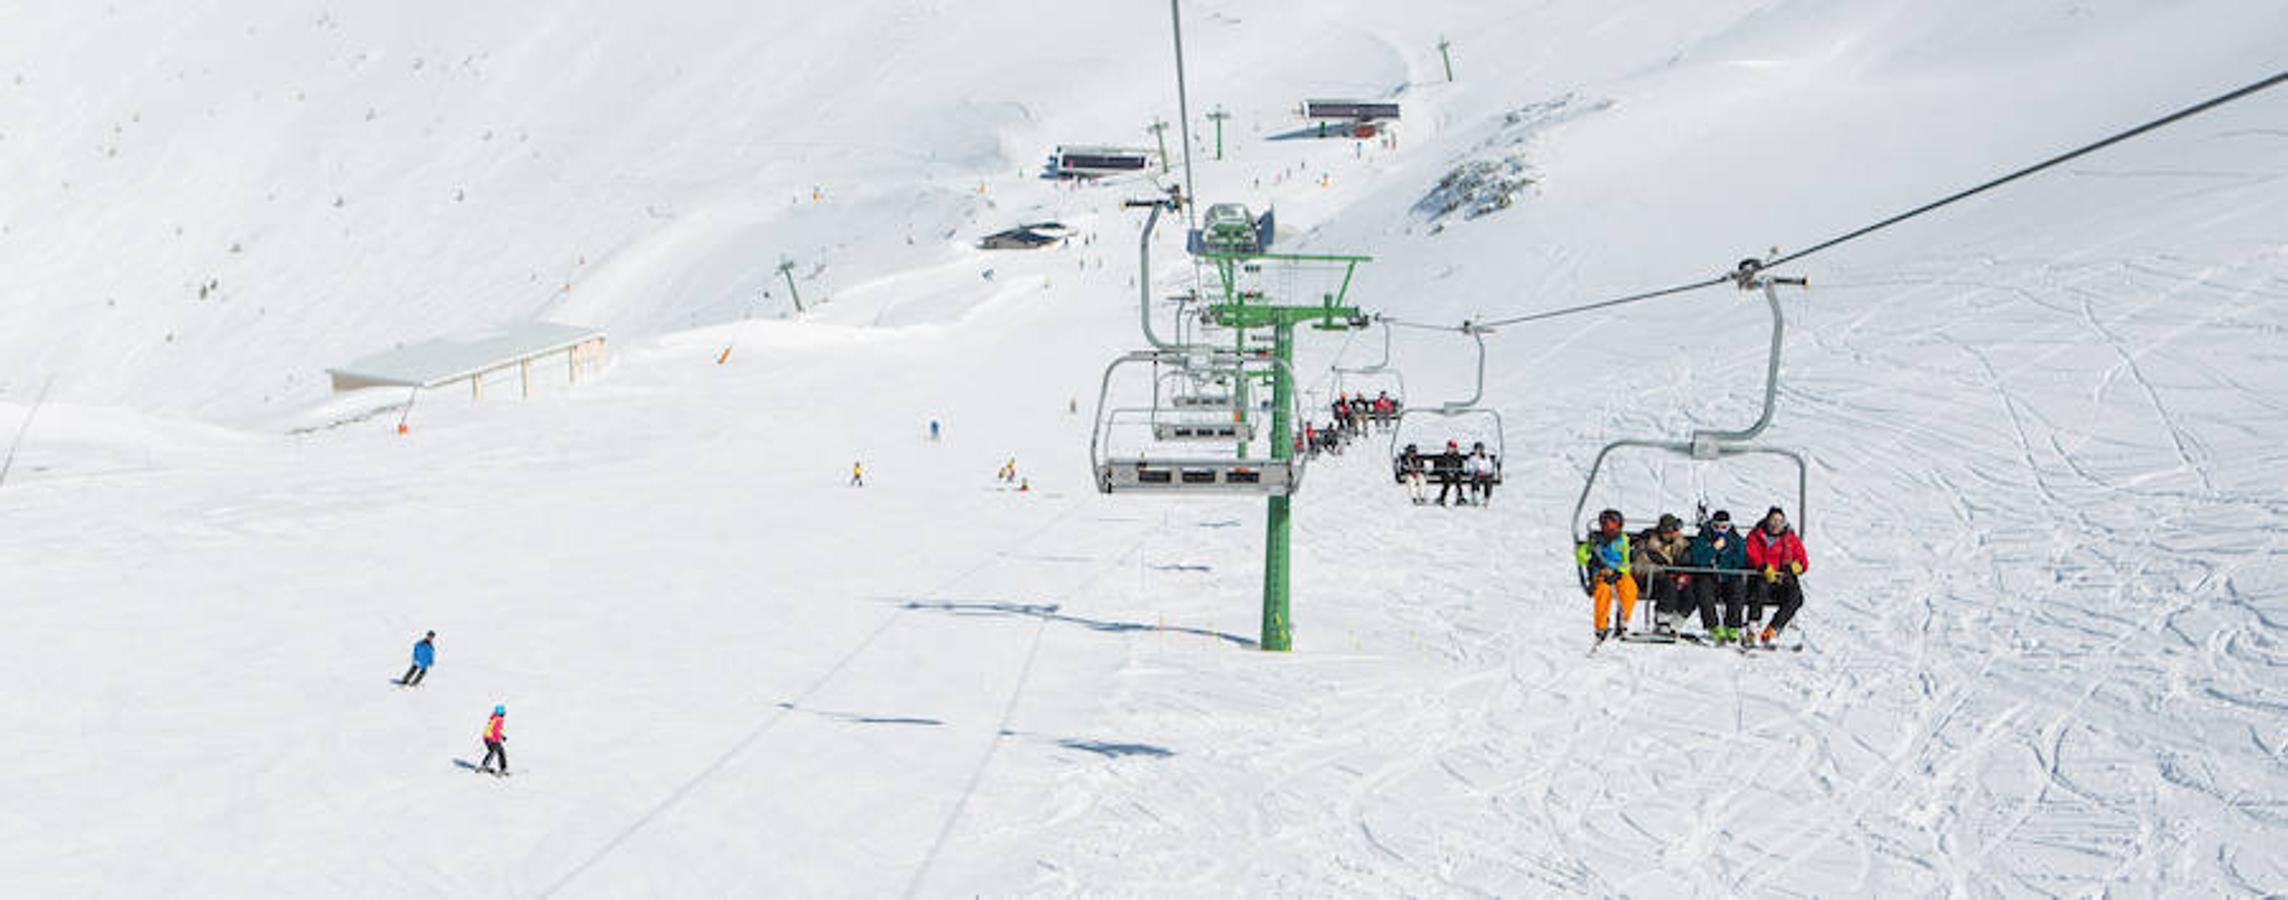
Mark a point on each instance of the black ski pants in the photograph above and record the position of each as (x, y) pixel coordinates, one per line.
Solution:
(1729, 590)
(1785, 594)
(1483, 487)
(1662, 590)
(1697, 592)
(414, 675)
(495, 750)
(1449, 482)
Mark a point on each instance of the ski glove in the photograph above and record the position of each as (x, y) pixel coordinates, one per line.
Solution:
(1771, 575)
(1795, 567)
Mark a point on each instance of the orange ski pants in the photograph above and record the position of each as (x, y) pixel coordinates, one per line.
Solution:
(1604, 594)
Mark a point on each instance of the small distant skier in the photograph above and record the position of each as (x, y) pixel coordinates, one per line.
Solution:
(424, 656)
(1008, 473)
(933, 429)
(857, 473)
(1605, 555)
(1776, 552)
(496, 742)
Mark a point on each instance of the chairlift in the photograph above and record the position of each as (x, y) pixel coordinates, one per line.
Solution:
(1465, 409)
(1178, 427)
(1377, 376)
(1709, 445)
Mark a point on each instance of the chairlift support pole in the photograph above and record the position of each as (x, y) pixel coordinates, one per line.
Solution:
(1444, 58)
(1237, 313)
(1278, 631)
(1217, 117)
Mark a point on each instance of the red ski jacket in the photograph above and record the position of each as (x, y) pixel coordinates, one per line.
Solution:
(1776, 551)
(496, 729)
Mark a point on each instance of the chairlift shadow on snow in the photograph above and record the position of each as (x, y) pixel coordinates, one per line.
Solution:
(1181, 567)
(1049, 612)
(1110, 750)
(862, 718)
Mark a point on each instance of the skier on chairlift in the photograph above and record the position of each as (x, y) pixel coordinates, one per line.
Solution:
(1410, 466)
(1605, 556)
(1776, 552)
(1449, 469)
(1479, 469)
(1717, 546)
(1658, 548)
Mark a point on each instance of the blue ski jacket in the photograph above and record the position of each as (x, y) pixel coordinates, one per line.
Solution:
(1598, 554)
(424, 654)
(1733, 555)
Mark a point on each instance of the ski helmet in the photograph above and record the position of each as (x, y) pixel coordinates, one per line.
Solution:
(1669, 522)
(1453, 445)
(501, 710)
(1610, 521)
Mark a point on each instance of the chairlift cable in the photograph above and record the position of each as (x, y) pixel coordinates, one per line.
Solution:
(2275, 80)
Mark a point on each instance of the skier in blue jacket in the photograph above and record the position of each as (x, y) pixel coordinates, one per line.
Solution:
(424, 656)
(1719, 547)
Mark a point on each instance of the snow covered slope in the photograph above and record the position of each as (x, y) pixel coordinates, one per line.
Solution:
(2045, 627)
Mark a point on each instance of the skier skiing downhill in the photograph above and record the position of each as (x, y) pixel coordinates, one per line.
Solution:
(496, 742)
(1777, 553)
(1605, 557)
(424, 656)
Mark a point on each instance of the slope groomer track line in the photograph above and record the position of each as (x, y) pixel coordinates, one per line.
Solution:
(796, 701)
(1750, 266)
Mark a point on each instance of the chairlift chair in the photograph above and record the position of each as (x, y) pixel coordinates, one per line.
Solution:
(1378, 375)
(1454, 409)
(1708, 445)
(1173, 455)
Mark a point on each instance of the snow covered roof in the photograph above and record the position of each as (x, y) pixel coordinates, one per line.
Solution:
(434, 362)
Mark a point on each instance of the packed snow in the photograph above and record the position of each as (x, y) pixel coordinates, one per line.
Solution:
(2044, 636)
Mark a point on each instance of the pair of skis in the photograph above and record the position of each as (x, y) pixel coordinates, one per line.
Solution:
(1743, 647)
